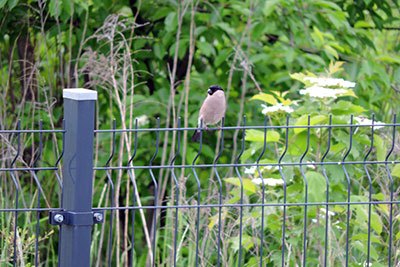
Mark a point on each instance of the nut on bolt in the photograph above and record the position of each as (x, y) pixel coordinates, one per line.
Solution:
(59, 218)
(98, 216)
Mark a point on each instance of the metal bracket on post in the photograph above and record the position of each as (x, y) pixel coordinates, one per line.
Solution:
(75, 218)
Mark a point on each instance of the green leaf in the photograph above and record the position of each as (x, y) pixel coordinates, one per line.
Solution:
(206, 48)
(258, 136)
(2, 3)
(247, 242)
(316, 186)
(55, 8)
(303, 120)
(226, 28)
(396, 170)
(331, 51)
(380, 147)
(270, 99)
(270, 7)
(248, 185)
(68, 7)
(12, 3)
(376, 222)
(300, 77)
(171, 22)
(345, 107)
(125, 11)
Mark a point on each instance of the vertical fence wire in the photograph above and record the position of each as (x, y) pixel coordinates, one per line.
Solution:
(15, 182)
(263, 190)
(134, 190)
(391, 192)
(112, 194)
(241, 191)
(369, 191)
(198, 193)
(327, 191)
(215, 162)
(348, 189)
(40, 190)
(153, 178)
(283, 243)
(176, 189)
(305, 193)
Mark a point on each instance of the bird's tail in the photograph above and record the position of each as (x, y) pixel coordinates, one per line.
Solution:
(196, 136)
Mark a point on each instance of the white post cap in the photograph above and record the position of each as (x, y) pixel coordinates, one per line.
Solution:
(79, 94)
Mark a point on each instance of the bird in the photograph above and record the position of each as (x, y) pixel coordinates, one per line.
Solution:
(212, 110)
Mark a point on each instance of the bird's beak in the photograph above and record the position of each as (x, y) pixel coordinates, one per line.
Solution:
(209, 91)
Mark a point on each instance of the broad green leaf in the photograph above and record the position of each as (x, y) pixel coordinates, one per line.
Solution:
(258, 136)
(389, 59)
(248, 185)
(226, 28)
(396, 170)
(247, 242)
(67, 6)
(345, 107)
(314, 120)
(300, 77)
(270, 7)
(327, 5)
(316, 186)
(55, 8)
(2, 3)
(380, 147)
(171, 21)
(331, 51)
(270, 99)
(376, 222)
(125, 11)
(363, 24)
(206, 48)
(12, 3)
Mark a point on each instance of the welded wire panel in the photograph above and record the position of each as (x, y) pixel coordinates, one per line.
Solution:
(263, 195)
(30, 186)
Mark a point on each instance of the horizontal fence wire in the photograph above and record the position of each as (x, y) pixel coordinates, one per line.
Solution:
(262, 195)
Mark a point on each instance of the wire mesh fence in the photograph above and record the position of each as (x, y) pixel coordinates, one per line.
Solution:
(292, 195)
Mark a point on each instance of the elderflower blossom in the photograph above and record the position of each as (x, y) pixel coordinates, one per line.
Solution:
(322, 215)
(330, 82)
(276, 108)
(267, 181)
(250, 170)
(322, 92)
(142, 120)
(365, 121)
(330, 213)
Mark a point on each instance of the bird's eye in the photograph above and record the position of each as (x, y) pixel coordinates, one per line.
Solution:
(209, 91)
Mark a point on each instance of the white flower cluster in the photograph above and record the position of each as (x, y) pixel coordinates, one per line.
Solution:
(330, 82)
(268, 181)
(365, 121)
(252, 169)
(276, 108)
(326, 87)
(322, 215)
(142, 120)
(322, 92)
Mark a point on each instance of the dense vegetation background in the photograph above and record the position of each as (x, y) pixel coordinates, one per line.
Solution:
(157, 58)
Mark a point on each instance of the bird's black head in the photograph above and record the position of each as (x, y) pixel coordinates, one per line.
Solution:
(213, 88)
